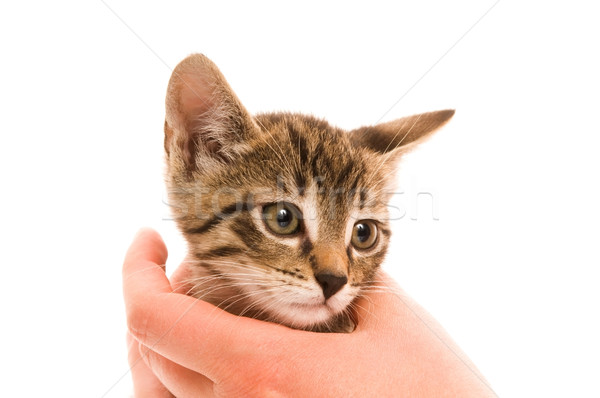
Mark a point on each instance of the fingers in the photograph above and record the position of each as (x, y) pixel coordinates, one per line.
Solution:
(190, 332)
(180, 381)
(143, 268)
(180, 277)
(145, 383)
(148, 245)
(143, 273)
(378, 302)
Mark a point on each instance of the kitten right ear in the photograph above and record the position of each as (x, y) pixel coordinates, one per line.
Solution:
(205, 121)
(401, 135)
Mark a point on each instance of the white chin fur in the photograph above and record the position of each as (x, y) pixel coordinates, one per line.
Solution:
(310, 311)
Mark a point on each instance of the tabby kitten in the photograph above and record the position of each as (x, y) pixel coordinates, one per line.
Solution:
(285, 215)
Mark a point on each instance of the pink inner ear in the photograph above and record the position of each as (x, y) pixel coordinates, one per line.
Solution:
(195, 98)
(190, 98)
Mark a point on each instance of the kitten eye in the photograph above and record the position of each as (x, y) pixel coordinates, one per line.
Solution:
(282, 218)
(364, 234)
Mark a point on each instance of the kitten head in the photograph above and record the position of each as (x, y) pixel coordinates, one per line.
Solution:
(285, 215)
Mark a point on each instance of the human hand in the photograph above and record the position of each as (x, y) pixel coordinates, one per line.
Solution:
(195, 349)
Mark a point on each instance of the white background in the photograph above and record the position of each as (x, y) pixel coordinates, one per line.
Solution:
(510, 268)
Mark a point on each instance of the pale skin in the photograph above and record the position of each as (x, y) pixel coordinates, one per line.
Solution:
(184, 347)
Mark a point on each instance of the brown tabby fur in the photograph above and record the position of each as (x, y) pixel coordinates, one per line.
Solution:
(224, 165)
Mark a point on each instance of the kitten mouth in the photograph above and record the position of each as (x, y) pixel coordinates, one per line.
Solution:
(309, 306)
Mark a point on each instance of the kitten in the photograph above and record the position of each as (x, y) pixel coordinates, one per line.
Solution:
(285, 215)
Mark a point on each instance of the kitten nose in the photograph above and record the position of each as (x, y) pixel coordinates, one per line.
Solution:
(331, 284)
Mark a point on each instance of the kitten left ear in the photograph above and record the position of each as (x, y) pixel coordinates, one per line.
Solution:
(205, 121)
(400, 135)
